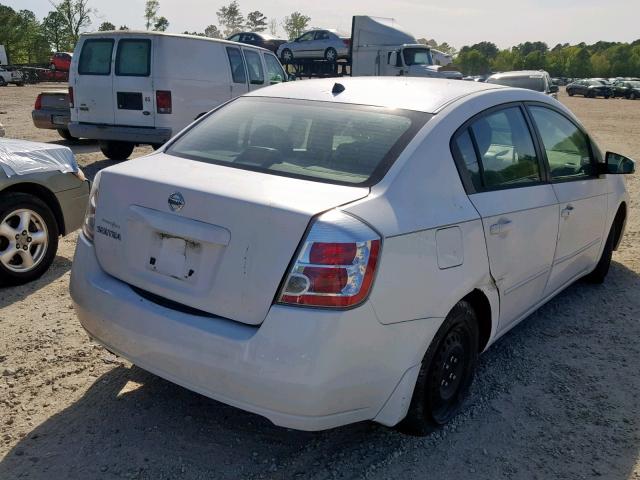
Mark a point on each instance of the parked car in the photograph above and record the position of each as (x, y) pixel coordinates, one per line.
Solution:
(2, 130)
(43, 194)
(61, 61)
(316, 44)
(537, 80)
(589, 88)
(292, 254)
(8, 76)
(258, 39)
(627, 89)
(140, 101)
(51, 111)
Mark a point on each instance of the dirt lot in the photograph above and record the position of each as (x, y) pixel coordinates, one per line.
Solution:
(555, 398)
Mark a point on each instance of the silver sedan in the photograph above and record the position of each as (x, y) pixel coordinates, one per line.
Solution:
(329, 45)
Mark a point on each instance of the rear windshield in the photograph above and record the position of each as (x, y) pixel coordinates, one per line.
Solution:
(133, 58)
(530, 82)
(95, 58)
(330, 142)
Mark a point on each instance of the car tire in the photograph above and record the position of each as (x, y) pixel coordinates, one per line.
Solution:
(632, 96)
(3, 83)
(602, 268)
(287, 56)
(446, 373)
(66, 134)
(114, 150)
(331, 55)
(42, 221)
(570, 93)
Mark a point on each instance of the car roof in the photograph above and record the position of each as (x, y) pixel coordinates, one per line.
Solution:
(519, 73)
(407, 93)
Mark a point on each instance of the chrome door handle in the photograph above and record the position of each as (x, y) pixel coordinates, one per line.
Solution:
(566, 211)
(502, 226)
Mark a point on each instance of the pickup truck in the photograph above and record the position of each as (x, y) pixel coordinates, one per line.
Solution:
(51, 111)
(10, 76)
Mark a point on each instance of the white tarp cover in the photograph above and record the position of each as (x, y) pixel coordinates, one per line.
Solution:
(21, 157)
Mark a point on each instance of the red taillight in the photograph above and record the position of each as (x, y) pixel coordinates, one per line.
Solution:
(346, 41)
(336, 273)
(38, 104)
(70, 97)
(163, 101)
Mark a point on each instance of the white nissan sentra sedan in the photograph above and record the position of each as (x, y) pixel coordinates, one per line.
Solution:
(322, 253)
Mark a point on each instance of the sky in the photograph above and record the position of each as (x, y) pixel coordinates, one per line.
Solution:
(463, 22)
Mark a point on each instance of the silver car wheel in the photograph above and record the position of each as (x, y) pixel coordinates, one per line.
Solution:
(24, 240)
(287, 56)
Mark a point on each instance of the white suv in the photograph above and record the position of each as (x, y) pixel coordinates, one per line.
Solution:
(320, 253)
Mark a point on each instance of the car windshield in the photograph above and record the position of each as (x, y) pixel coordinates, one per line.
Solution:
(330, 142)
(417, 56)
(530, 82)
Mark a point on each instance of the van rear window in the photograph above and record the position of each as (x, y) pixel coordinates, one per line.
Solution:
(321, 141)
(133, 58)
(95, 58)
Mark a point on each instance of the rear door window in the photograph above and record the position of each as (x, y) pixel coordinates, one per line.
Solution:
(274, 69)
(254, 65)
(95, 57)
(236, 62)
(133, 58)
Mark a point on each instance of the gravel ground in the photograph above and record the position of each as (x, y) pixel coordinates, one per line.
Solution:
(557, 397)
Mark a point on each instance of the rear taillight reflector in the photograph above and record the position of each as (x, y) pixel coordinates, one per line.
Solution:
(38, 104)
(336, 263)
(163, 101)
(70, 97)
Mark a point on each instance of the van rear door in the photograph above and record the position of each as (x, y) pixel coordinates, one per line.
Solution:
(93, 84)
(133, 93)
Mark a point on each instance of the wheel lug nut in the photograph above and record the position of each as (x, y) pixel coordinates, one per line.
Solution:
(29, 239)
(24, 247)
(17, 236)
(24, 232)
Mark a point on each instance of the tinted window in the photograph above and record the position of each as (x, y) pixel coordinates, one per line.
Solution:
(566, 146)
(274, 70)
(133, 58)
(306, 37)
(237, 65)
(235, 38)
(95, 58)
(322, 36)
(530, 82)
(505, 149)
(328, 142)
(254, 66)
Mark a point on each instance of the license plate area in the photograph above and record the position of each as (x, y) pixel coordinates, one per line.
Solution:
(59, 119)
(174, 257)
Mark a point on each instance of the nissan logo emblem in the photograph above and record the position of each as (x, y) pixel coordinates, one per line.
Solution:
(176, 201)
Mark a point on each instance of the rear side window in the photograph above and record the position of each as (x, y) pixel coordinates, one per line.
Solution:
(334, 143)
(236, 63)
(254, 65)
(133, 58)
(274, 70)
(503, 148)
(95, 57)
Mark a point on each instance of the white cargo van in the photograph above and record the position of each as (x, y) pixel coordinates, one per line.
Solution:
(129, 88)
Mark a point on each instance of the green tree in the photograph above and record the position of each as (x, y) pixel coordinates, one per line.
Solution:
(578, 62)
(123, 27)
(534, 60)
(151, 8)
(503, 61)
(161, 24)
(256, 21)
(230, 18)
(295, 24)
(106, 27)
(600, 65)
(555, 62)
(488, 50)
(472, 62)
(77, 16)
(212, 32)
(54, 30)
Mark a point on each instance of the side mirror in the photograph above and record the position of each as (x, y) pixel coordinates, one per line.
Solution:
(616, 164)
(553, 89)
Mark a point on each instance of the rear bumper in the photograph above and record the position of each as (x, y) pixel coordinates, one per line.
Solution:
(45, 118)
(302, 368)
(147, 135)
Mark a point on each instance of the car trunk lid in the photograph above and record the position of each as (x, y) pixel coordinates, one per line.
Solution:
(209, 237)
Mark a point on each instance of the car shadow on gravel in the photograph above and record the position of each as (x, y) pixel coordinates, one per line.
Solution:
(10, 295)
(555, 398)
